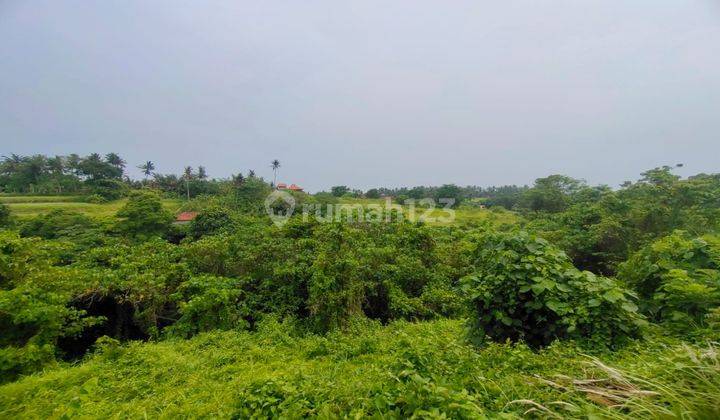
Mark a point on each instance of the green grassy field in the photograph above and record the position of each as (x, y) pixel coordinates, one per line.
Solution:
(7, 199)
(24, 207)
(29, 206)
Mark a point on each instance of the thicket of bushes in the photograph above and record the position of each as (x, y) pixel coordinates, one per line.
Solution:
(677, 277)
(55, 302)
(66, 280)
(525, 289)
(321, 274)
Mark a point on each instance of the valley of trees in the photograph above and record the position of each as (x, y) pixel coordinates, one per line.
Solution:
(586, 301)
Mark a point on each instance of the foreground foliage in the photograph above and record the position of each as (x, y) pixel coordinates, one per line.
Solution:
(423, 369)
(678, 278)
(523, 288)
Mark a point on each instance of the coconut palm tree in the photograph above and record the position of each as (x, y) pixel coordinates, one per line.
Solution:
(147, 168)
(115, 160)
(188, 174)
(275, 165)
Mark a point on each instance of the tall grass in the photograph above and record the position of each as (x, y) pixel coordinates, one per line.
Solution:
(404, 369)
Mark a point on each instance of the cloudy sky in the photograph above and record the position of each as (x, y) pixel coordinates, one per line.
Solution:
(368, 93)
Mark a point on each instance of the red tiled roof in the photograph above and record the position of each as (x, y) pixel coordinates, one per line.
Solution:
(282, 185)
(294, 187)
(186, 216)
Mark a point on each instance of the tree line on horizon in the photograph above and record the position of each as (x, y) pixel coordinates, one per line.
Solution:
(100, 175)
(106, 177)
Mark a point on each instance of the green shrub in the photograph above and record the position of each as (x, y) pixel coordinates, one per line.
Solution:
(206, 303)
(143, 216)
(96, 199)
(210, 221)
(250, 195)
(143, 276)
(34, 314)
(56, 224)
(677, 278)
(20, 258)
(109, 189)
(336, 290)
(4, 215)
(526, 289)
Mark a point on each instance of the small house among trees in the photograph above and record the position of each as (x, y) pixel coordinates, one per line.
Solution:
(185, 217)
(292, 187)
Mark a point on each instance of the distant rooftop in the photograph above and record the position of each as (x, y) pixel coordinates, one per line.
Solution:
(186, 216)
(292, 187)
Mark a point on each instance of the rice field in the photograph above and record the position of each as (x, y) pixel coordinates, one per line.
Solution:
(24, 207)
(7, 199)
(32, 205)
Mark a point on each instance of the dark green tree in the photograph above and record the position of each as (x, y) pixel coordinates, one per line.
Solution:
(372, 193)
(339, 190)
(551, 194)
(143, 216)
(449, 192)
(115, 160)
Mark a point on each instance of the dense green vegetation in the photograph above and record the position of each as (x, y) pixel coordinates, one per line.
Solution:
(422, 369)
(561, 299)
(99, 177)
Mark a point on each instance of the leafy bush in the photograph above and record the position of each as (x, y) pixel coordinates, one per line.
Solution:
(23, 257)
(108, 189)
(249, 195)
(143, 276)
(4, 215)
(593, 237)
(382, 271)
(526, 289)
(34, 291)
(210, 221)
(57, 224)
(206, 303)
(143, 216)
(96, 199)
(677, 277)
(600, 228)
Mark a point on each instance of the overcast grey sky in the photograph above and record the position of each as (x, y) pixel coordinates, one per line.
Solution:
(368, 93)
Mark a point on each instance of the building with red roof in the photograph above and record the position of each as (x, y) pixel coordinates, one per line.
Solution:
(186, 217)
(292, 187)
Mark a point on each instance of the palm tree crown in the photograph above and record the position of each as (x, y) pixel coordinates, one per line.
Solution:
(275, 165)
(147, 168)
